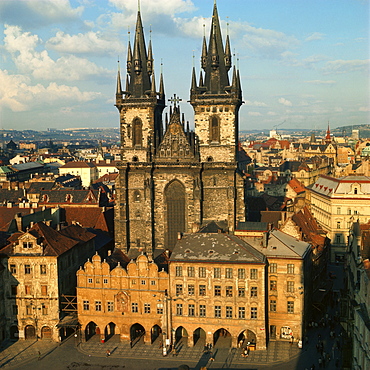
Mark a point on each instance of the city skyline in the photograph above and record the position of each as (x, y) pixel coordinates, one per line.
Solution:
(300, 63)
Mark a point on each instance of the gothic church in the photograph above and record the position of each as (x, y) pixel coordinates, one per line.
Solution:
(173, 180)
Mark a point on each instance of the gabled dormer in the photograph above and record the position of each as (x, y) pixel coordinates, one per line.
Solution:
(28, 244)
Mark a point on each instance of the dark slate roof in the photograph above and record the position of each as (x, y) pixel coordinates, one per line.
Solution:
(253, 226)
(7, 195)
(214, 227)
(201, 247)
(36, 187)
(78, 233)
(55, 244)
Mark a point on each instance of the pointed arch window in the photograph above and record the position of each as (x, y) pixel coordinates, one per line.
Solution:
(175, 204)
(214, 131)
(137, 128)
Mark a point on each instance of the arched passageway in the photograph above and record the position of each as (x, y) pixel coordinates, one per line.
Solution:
(222, 338)
(14, 332)
(181, 335)
(109, 331)
(155, 333)
(199, 337)
(29, 332)
(137, 333)
(46, 332)
(91, 330)
(247, 337)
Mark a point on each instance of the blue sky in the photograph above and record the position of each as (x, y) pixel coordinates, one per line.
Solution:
(305, 62)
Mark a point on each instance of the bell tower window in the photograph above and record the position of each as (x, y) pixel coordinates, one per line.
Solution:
(215, 129)
(137, 132)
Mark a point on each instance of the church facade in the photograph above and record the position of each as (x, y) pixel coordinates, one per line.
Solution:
(173, 180)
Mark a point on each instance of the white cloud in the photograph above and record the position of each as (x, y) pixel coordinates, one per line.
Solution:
(38, 13)
(23, 46)
(315, 36)
(285, 102)
(265, 42)
(346, 66)
(271, 113)
(254, 114)
(169, 7)
(88, 43)
(17, 94)
(255, 103)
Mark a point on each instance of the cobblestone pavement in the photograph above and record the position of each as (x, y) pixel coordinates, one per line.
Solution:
(15, 353)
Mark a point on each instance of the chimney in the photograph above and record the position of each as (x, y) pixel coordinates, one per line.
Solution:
(179, 236)
(109, 252)
(265, 240)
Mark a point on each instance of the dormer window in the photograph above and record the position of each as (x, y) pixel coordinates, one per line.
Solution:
(69, 198)
(27, 245)
(355, 191)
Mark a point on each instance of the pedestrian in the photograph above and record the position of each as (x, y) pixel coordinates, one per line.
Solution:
(39, 355)
(108, 353)
(320, 362)
(313, 367)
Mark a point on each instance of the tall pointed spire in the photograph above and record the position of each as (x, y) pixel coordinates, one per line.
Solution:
(227, 54)
(161, 87)
(119, 85)
(150, 58)
(193, 80)
(153, 89)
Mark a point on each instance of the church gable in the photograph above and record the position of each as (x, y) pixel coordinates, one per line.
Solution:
(175, 145)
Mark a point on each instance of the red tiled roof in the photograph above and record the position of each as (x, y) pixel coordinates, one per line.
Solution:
(296, 186)
(78, 164)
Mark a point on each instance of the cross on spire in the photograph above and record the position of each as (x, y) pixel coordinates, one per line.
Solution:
(175, 100)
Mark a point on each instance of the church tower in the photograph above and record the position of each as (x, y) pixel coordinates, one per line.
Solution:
(172, 180)
(216, 101)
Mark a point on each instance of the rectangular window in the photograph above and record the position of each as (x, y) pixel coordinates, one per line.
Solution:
(273, 268)
(152, 282)
(97, 305)
(229, 273)
(241, 292)
(191, 310)
(229, 291)
(42, 269)
(202, 290)
(191, 289)
(159, 309)
(217, 272)
(27, 245)
(290, 268)
(86, 305)
(273, 285)
(110, 306)
(27, 289)
(290, 286)
(191, 271)
(179, 309)
(241, 273)
(178, 289)
(134, 307)
(143, 282)
(105, 281)
(13, 269)
(146, 307)
(44, 290)
(178, 271)
(13, 290)
(202, 310)
(290, 307)
(44, 309)
(27, 269)
(241, 312)
(229, 312)
(254, 274)
(89, 280)
(202, 272)
(29, 310)
(217, 311)
(338, 210)
(253, 312)
(349, 211)
(273, 305)
(253, 292)
(217, 290)
(15, 309)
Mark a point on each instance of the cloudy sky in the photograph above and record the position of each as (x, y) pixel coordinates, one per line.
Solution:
(302, 62)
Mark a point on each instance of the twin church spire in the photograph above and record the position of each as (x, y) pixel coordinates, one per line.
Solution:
(140, 80)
